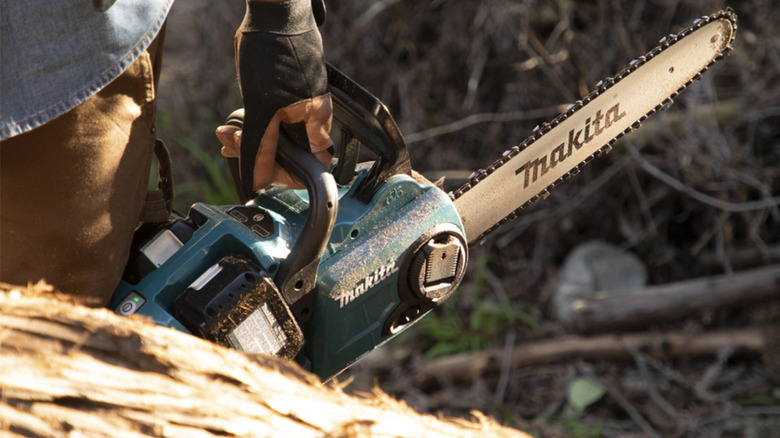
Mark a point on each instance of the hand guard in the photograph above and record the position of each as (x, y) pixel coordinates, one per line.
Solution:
(281, 72)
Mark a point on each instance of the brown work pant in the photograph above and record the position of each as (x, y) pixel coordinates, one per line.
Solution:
(72, 191)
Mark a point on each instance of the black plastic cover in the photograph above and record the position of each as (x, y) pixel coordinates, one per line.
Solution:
(139, 265)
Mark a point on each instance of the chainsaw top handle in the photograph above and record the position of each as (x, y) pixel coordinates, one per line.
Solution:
(359, 118)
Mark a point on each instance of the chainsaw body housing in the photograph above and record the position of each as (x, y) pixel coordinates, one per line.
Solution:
(363, 295)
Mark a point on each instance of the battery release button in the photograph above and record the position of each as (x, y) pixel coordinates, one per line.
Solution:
(131, 304)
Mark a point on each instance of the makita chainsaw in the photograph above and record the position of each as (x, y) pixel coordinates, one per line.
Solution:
(325, 275)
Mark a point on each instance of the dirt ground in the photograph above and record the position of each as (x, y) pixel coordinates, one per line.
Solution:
(693, 194)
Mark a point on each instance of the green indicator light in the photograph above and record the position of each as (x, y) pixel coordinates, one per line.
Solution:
(136, 299)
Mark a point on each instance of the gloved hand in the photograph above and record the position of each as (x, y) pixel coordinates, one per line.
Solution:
(281, 72)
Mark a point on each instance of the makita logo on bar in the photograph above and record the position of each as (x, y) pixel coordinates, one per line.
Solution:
(535, 168)
(367, 283)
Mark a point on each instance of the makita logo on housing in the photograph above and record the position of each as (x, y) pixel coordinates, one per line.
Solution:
(367, 283)
(535, 168)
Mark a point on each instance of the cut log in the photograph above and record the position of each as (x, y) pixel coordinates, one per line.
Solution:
(68, 370)
(640, 307)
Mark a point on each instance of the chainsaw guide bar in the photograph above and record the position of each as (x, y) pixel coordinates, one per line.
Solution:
(618, 105)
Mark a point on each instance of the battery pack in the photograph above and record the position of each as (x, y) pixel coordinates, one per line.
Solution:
(235, 303)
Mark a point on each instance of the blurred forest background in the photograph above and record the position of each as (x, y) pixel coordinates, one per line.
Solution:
(693, 194)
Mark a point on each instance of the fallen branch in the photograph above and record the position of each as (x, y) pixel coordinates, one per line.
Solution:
(731, 207)
(749, 342)
(638, 307)
(742, 257)
(68, 369)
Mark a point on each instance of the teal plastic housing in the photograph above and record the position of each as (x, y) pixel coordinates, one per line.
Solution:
(360, 275)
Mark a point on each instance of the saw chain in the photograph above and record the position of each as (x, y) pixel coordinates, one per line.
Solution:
(600, 88)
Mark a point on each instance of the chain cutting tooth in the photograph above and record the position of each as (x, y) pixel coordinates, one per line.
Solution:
(537, 132)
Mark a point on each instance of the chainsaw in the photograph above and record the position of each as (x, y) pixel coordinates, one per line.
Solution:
(325, 275)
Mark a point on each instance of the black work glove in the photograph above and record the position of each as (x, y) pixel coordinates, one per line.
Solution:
(281, 72)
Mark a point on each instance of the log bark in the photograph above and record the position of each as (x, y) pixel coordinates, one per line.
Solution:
(640, 307)
(68, 370)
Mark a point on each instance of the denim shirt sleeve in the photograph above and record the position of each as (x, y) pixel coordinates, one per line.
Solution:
(56, 54)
